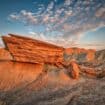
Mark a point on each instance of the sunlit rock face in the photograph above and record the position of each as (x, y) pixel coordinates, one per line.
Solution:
(29, 50)
(74, 69)
(15, 74)
(5, 54)
(33, 72)
(80, 54)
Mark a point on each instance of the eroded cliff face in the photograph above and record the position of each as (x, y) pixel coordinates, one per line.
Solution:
(5, 54)
(33, 72)
(15, 74)
(24, 49)
(24, 60)
(29, 50)
(80, 54)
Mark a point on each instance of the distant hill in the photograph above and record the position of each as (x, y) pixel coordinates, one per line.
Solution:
(79, 54)
(84, 55)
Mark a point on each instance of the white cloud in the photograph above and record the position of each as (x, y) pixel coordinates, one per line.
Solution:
(39, 36)
(24, 16)
(67, 2)
(100, 13)
(71, 21)
(32, 33)
(50, 6)
(14, 16)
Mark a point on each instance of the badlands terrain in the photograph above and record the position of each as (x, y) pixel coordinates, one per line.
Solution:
(34, 72)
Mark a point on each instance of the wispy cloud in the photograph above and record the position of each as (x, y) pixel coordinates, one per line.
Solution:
(100, 13)
(24, 16)
(70, 18)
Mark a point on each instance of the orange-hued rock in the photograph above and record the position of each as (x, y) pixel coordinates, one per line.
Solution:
(63, 77)
(5, 54)
(69, 51)
(79, 52)
(90, 55)
(93, 73)
(15, 74)
(30, 50)
(89, 71)
(73, 69)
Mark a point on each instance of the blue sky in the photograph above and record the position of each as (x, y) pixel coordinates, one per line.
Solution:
(69, 23)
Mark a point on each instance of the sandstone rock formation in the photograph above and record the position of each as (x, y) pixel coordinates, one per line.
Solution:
(15, 74)
(73, 69)
(30, 50)
(80, 54)
(5, 54)
(23, 49)
(40, 73)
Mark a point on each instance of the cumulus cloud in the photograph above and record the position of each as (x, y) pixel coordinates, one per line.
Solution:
(70, 18)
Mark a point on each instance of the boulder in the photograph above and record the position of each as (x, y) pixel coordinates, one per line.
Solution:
(73, 69)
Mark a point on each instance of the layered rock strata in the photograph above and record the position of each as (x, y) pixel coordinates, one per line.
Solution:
(34, 51)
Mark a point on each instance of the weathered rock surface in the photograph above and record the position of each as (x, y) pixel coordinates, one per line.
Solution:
(15, 74)
(80, 54)
(5, 54)
(100, 56)
(73, 69)
(45, 74)
(81, 92)
(30, 50)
